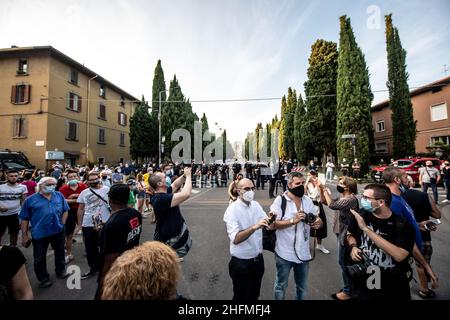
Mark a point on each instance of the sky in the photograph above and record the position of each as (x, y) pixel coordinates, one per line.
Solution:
(227, 49)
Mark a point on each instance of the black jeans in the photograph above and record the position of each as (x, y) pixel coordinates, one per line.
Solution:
(246, 275)
(271, 187)
(91, 245)
(40, 247)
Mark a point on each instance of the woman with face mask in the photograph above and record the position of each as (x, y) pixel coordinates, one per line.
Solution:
(347, 188)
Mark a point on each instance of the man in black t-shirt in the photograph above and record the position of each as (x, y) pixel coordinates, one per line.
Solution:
(170, 226)
(387, 240)
(121, 232)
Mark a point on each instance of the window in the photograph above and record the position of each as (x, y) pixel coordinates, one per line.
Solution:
(439, 112)
(102, 112)
(19, 128)
(101, 136)
(380, 126)
(73, 102)
(381, 147)
(443, 139)
(102, 91)
(122, 139)
(122, 119)
(20, 93)
(122, 101)
(23, 67)
(71, 130)
(74, 76)
(101, 161)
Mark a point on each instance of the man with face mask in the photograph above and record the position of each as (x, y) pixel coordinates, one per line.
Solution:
(386, 240)
(93, 212)
(47, 213)
(394, 179)
(244, 219)
(293, 233)
(429, 176)
(12, 195)
(171, 228)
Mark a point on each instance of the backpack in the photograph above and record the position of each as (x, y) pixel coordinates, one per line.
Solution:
(269, 236)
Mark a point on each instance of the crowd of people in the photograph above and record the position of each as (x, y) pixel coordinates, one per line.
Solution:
(391, 224)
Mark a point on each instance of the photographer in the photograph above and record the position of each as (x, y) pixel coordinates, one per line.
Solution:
(292, 230)
(244, 219)
(387, 240)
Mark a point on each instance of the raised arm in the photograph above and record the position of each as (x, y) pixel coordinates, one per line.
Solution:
(185, 193)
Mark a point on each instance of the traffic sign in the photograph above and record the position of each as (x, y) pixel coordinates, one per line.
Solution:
(348, 136)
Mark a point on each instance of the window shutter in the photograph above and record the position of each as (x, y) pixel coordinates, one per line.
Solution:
(79, 103)
(14, 133)
(75, 125)
(13, 94)
(68, 100)
(67, 129)
(26, 95)
(118, 117)
(24, 127)
(125, 118)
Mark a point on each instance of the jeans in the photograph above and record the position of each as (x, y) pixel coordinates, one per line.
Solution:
(90, 238)
(246, 275)
(40, 247)
(329, 175)
(343, 252)
(447, 187)
(282, 278)
(433, 186)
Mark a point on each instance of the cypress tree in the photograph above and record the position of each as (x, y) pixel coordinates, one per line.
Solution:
(282, 152)
(403, 124)
(300, 146)
(354, 98)
(291, 105)
(140, 124)
(159, 85)
(320, 90)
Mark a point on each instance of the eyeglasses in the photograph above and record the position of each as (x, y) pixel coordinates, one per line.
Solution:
(369, 198)
(51, 184)
(248, 188)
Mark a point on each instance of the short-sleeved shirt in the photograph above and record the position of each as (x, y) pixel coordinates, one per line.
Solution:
(94, 206)
(284, 246)
(420, 204)
(344, 204)
(401, 208)
(396, 230)
(31, 187)
(11, 260)
(10, 198)
(67, 191)
(446, 173)
(120, 233)
(44, 215)
(428, 173)
(169, 221)
(238, 217)
(131, 199)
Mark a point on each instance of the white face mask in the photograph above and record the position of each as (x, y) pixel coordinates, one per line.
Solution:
(248, 196)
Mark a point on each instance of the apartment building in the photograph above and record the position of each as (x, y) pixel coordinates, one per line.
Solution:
(48, 102)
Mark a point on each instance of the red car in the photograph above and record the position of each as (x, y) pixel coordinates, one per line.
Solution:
(411, 166)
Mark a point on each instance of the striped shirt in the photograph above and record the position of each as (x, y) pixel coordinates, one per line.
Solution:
(10, 196)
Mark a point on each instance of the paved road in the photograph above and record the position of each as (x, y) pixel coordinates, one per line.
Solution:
(205, 269)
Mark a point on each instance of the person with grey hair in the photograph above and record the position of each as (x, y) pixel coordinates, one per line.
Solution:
(46, 210)
(292, 227)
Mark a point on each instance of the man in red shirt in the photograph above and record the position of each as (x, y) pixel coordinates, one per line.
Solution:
(71, 191)
(29, 183)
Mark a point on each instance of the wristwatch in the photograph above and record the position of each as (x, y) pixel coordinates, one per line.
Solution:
(292, 221)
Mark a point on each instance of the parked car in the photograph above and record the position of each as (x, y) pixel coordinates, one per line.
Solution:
(14, 160)
(410, 165)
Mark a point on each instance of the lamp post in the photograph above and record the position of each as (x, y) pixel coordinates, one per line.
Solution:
(87, 121)
(159, 125)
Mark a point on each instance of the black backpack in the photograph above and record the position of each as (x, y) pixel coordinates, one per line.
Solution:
(269, 236)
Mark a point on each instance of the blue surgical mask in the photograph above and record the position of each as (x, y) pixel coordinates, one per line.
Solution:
(366, 205)
(49, 189)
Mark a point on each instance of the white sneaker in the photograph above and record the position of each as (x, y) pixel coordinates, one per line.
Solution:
(322, 248)
(444, 201)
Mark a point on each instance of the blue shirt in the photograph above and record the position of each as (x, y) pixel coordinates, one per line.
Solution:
(44, 215)
(401, 208)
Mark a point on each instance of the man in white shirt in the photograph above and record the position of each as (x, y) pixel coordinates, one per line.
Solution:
(292, 245)
(12, 195)
(93, 212)
(244, 219)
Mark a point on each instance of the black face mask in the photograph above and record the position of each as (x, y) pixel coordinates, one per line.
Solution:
(340, 189)
(297, 191)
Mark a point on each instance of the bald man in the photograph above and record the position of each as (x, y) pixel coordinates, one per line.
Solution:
(171, 228)
(244, 219)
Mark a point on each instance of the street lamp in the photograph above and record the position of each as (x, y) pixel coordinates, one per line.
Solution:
(159, 125)
(87, 121)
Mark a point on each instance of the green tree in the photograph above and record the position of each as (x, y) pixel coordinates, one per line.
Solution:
(354, 97)
(320, 91)
(288, 139)
(282, 152)
(299, 117)
(205, 128)
(159, 85)
(403, 124)
(140, 125)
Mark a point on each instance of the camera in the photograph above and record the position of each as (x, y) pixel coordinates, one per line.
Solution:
(359, 269)
(310, 218)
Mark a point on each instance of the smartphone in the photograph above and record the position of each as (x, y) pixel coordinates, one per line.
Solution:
(272, 219)
(435, 221)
